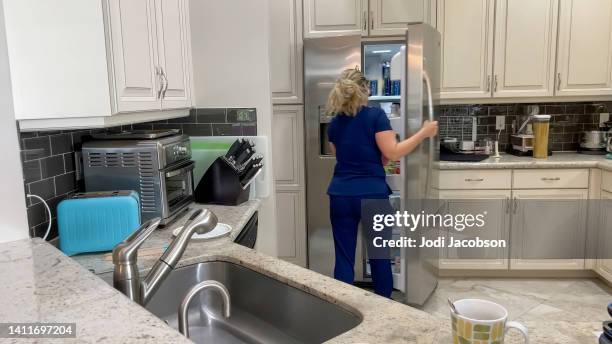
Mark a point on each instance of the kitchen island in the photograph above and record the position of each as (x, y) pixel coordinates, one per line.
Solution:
(57, 289)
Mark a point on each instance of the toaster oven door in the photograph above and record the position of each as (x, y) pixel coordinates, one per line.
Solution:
(177, 187)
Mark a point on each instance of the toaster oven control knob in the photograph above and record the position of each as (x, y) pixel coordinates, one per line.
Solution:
(179, 150)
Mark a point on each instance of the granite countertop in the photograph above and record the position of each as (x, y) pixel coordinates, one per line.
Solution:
(90, 300)
(557, 160)
(40, 284)
(153, 247)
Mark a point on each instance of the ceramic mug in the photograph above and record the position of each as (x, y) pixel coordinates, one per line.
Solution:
(482, 322)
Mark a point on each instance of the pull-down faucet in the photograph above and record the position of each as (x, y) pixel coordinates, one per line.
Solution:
(126, 278)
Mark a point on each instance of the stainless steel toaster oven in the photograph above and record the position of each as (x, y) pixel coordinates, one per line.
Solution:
(160, 169)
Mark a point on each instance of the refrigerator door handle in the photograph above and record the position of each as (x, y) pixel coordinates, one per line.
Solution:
(430, 113)
(430, 107)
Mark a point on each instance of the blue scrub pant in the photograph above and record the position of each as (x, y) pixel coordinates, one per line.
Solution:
(346, 213)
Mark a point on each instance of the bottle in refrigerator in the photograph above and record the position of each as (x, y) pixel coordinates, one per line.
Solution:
(386, 74)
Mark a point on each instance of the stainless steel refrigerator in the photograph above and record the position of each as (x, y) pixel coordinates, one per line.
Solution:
(406, 74)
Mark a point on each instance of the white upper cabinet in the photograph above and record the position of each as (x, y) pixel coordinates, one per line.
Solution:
(98, 63)
(390, 17)
(286, 51)
(174, 53)
(134, 49)
(584, 57)
(467, 47)
(525, 47)
(324, 18)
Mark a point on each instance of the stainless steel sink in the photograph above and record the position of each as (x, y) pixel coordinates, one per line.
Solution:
(263, 310)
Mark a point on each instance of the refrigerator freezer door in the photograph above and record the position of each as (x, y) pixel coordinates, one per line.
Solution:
(420, 97)
(324, 61)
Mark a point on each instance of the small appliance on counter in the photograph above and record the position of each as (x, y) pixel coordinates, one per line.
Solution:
(227, 181)
(532, 142)
(594, 142)
(96, 221)
(464, 151)
(155, 163)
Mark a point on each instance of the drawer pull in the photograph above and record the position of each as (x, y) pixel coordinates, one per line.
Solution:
(474, 180)
(556, 179)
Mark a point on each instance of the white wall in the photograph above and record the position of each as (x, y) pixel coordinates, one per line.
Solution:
(230, 45)
(13, 218)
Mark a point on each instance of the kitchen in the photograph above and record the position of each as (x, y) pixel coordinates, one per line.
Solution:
(501, 64)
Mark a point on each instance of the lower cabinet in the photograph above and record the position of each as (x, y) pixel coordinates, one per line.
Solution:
(495, 205)
(542, 219)
(604, 263)
(291, 221)
(548, 224)
(288, 152)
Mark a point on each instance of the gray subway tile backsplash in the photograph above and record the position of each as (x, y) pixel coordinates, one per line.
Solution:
(48, 158)
(568, 120)
(211, 116)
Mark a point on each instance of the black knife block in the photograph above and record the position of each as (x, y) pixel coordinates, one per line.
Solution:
(221, 185)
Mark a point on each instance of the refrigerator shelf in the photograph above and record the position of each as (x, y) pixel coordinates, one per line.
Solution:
(384, 98)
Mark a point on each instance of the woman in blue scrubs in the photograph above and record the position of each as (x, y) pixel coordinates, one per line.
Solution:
(362, 140)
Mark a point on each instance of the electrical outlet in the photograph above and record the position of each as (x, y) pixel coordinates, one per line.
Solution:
(500, 122)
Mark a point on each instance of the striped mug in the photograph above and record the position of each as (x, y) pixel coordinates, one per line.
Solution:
(482, 322)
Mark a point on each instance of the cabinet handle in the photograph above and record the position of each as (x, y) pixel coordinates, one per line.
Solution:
(556, 179)
(515, 205)
(508, 200)
(365, 20)
(474, 180)
(165, 87)
(495, 85)
(161, 82)
(488, 84)
(558, 81)
(371, 20)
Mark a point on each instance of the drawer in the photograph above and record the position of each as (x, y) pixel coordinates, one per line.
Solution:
(475, 179)
(551, 179)
(606, 181)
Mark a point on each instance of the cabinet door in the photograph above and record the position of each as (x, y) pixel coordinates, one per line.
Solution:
(286, 51)
(291, 221)
(174, 52)
(495, 203)
(584, 66)
(325, 18)
(288, 153)
(133, 42)
(288, 145)
(391, 17)
(525, 48)
(604, 263)
(467, 47)
(548, 224)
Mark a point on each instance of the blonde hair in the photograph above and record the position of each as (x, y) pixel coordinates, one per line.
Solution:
(349, 95)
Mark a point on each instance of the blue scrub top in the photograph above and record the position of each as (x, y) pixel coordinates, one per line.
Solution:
(359, 171)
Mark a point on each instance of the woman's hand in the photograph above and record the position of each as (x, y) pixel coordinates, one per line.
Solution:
(393, 150)
(429, 129)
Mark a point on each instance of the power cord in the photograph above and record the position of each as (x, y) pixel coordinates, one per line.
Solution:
(48, 212)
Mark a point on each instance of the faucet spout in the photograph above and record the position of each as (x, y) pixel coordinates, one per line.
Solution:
(126, 277)
(183, 321)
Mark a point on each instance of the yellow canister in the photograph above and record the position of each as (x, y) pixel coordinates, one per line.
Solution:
(541, 126)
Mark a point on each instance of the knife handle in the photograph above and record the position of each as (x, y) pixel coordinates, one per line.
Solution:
(234, 148)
